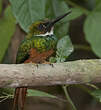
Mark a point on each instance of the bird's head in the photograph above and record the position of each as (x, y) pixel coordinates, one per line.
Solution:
(45, 27)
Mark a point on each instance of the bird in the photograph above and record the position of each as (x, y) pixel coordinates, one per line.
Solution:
(37, 47)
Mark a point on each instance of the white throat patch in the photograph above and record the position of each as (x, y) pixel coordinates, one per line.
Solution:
(47, 33)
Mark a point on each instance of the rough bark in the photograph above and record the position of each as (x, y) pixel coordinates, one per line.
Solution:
(74, 72)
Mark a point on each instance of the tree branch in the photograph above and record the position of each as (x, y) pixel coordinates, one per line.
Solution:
(74, 72)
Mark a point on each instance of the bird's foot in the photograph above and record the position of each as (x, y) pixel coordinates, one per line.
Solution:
(35, 64)
(46, 62)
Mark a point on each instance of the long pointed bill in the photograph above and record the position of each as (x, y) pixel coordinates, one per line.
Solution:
(51, 24)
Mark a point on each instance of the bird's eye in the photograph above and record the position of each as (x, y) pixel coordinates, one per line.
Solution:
(40, 27)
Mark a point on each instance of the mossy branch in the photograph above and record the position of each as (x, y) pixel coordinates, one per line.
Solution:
(73, 72)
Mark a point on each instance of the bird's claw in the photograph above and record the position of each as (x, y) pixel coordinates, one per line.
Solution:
(51, 64)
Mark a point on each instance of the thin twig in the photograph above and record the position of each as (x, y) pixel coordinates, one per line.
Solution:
(68, 97)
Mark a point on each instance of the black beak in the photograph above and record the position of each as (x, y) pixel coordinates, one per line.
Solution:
(51, 23)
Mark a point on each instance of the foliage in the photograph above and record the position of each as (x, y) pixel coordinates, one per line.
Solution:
(7, 28)
(92, 24)
(39, 93)
(92, 29)
(6, 93)
(26, 12)
(96, 94)
(64, 49)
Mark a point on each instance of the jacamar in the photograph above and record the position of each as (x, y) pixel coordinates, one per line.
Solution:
(37, 47)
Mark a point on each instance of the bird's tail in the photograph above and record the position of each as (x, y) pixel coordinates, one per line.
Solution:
(19, 98)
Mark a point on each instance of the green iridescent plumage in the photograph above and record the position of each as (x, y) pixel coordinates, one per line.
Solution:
(40, 43)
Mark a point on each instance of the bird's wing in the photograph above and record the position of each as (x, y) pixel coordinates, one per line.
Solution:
(23, 50)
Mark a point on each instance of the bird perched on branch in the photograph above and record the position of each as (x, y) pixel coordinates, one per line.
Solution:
(37, 47)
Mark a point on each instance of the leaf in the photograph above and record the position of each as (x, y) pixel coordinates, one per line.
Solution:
(7, 28)
(92, 29)
(39, 93)
(61, 29)
(28, 11)
(96, 94)
(76, 12)
(64, 49)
